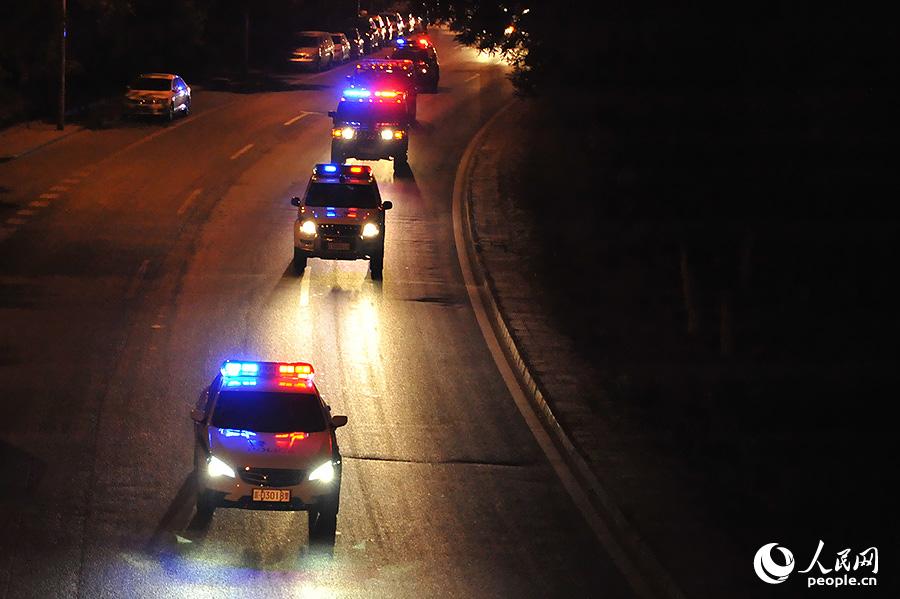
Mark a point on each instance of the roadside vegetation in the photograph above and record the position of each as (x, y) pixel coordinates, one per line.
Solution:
(713, 201)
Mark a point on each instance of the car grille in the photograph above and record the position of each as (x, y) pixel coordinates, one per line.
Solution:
(272, 477)
(338, 230)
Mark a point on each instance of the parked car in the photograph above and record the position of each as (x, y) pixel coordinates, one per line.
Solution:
(357, 43)
(342, 48)
(389, 31)
(394, 24)
(313, 49)
(157, 94)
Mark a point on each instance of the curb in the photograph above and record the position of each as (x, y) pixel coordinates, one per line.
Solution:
(10, 157)
(600, 499)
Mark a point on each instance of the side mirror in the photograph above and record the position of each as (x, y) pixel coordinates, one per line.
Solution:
(295, 201)
(332, 113)
(387, 205)
(338, 421)
(197, 415)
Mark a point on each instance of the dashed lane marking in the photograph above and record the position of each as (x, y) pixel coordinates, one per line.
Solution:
(242, 151)
(16, 221)
(39, 204)
(188, 201)
(296, 118)
(304, 288)
(48, 196)
(25, 212)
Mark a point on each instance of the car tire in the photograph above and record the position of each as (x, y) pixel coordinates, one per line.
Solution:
(170, 113)
(299, 262)
(376, 265)
(187, 108)
(205, 504)
(322, 520)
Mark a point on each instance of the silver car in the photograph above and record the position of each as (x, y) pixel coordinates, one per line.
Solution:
(342, 48)
(313, 49)
(157, 94)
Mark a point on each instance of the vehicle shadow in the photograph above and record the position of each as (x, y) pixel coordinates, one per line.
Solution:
(22, 474)
(181, 522)
(260, 82)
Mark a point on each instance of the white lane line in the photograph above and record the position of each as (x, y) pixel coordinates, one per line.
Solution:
(599, 524)
(72, 180)
(16, 221)
(25, 212)
(59, 188)
(296, 118)
(137, 279)
(304, 288)
(472, 78)
(243, 150)
(48, 196)
(188, 201)
(39, 204)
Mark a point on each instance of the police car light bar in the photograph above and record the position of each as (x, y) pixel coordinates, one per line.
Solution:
(387, 94)
(357, 93)
(401, 41)
(274, 369)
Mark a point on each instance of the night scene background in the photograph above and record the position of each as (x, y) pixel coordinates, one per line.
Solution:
(684, 214)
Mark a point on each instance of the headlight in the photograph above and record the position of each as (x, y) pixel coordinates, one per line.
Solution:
(370, 230)
(217, 467)
(387, 134)
(308, 228)
(324, 473)
(348, 133)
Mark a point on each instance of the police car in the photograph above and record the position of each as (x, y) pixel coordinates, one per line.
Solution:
(397, 74)
(266, 440)
(371, 124)
(340, 217)
(419, 49)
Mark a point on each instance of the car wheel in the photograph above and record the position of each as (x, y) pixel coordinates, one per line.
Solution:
(299, 262)
(205, 504)
(170, 113)
(323, 523)
(187, 107)
(376, 265)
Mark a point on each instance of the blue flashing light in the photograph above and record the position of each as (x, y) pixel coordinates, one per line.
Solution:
(236, 432)
(401, 41)
(357, 93)
(239, 369)
(330, 168)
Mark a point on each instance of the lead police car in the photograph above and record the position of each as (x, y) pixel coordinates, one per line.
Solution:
(265, 439)
(341, 217)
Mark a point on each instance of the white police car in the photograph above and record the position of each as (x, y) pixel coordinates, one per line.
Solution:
(266, 440)
(341, 217)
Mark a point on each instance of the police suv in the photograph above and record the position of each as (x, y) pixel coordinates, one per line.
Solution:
(340, 217)
(266, 440)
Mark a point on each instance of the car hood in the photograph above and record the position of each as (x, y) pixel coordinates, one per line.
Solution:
(241, 448)
(137, 94)
(340, 215)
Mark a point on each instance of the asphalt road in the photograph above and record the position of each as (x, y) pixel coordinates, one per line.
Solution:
(157, 252)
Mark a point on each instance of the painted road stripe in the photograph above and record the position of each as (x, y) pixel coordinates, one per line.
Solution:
(16, 221)
(296, 118)
(188, 201)
(472, 78)
(39, 204)
(137, 279)
(59, 188)
(243, 150)
(71, 180)
(49, 196)
(25, 212)
(304, 288)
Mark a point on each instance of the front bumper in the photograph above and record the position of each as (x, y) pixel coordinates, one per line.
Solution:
(236, 493)
(337, 248)
(370, 149)
(137, 108)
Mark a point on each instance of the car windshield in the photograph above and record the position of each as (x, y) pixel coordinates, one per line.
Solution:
(307, 41)
(340, 195)
(268, 412)
(337, 39)
(153, 84)
(371, 112)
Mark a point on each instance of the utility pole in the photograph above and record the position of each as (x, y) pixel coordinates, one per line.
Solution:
(61, 117)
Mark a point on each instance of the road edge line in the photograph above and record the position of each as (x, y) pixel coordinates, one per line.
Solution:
(626, 547)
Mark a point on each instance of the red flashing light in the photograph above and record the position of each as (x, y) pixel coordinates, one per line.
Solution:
(298, 369)
(356, 169)
(423, 42)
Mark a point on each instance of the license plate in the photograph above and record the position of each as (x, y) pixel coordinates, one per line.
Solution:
(282, 495)
(338, 245)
